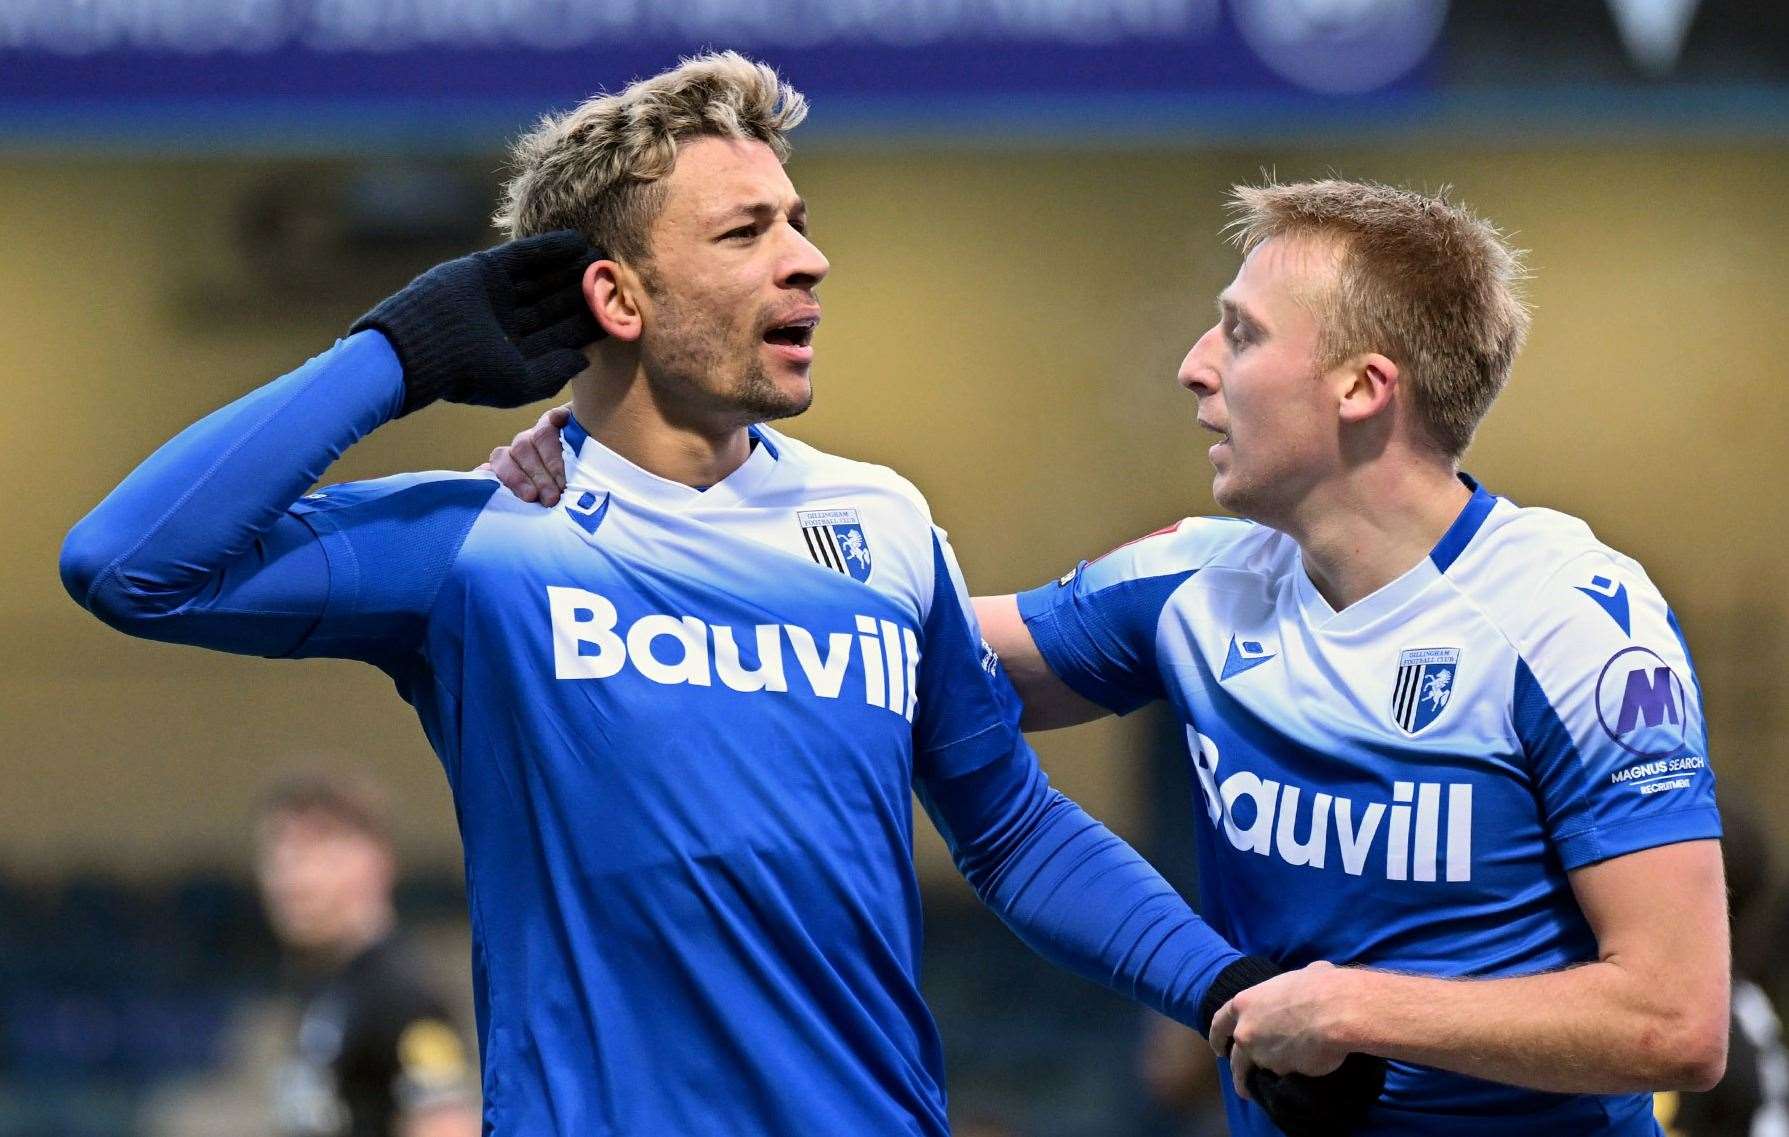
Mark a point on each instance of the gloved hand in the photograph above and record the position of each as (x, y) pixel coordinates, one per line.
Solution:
(499, 328)
(1301, 1105)
(1324, 1105)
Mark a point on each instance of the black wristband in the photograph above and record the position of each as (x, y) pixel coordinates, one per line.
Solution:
(1234, 979)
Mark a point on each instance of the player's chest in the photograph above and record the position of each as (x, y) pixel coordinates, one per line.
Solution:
(1429, 683)
(680, 617)
(1374, 752)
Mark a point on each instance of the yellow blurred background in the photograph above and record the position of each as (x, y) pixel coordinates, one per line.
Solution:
(1002, 325)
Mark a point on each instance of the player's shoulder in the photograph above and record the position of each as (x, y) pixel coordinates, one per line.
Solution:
(1537, 572)
(818, 473)
(1190, 545)
(880, 514)
(416, 493)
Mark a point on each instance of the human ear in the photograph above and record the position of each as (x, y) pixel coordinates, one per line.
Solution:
(614, 294)
(1366, 384)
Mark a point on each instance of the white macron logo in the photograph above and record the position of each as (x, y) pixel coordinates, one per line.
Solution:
(1409, 851)
(587, 644)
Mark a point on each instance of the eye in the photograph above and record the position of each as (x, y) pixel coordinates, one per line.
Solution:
(799, 224)
(744, 231)
(1237, 334)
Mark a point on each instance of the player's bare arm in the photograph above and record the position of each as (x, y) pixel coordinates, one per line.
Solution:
(1049, 702)
(1650, 1013)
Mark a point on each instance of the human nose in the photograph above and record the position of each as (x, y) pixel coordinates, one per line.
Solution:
(803, 265)
(1198, 371)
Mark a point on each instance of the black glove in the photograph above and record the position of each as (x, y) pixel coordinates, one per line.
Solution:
(1323, 1106)
(1301, 1105)
(500, 328)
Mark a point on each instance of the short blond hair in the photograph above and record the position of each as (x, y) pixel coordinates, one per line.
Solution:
(1420, 279)
(599, 167)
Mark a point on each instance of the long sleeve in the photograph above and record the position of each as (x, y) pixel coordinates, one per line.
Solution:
(208, 543)
(1068, 887)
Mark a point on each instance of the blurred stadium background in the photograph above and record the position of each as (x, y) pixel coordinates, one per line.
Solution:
(1022, 204)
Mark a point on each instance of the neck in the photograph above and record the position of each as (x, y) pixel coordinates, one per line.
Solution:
(1364, 531)
(361, 933)
(620, 409)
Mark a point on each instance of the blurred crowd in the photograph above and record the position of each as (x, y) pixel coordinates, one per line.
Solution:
(293, 1005)
(325, 997)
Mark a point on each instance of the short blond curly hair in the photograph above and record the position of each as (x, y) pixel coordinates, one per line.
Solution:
(600, 167)
(1421, 280)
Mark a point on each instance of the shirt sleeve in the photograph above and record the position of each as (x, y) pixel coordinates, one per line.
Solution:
(1096, 626)
(1071, 890)
(207, 542)
(1609, 712)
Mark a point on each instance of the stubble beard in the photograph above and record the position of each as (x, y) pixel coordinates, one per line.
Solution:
(1241, 496)
(688, 361)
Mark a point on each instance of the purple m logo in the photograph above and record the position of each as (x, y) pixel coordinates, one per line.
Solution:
(1649, 696)
(1642, 705)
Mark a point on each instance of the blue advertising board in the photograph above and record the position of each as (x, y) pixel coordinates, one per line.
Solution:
(400, 68)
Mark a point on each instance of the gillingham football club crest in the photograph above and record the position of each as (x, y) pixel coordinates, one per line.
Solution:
(835, 539)
(1424, 687)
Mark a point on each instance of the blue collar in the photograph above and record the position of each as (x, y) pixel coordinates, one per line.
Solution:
(1465, 527)
(575, 435)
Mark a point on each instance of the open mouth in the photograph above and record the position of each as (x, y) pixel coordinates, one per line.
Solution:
(798, 333)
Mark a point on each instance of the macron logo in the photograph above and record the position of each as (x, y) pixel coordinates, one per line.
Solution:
(589, 643)
(587, 511)
(1417, 843)
(1243, 656)
(1611, 597)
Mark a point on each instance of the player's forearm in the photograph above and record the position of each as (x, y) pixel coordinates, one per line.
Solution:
(202, 500)
(1074, 892)
(1595, 1028)
(1087, 901)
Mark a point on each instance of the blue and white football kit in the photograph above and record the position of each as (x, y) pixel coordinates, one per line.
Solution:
(682, 729)
(1406, 783)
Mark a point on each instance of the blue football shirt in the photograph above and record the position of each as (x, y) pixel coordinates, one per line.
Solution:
(682, 728)
(1406, 783)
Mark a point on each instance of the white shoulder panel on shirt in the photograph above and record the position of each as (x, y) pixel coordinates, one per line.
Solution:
(1556, 592)
(897, 517)
(826, 473)
(1189, 545)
